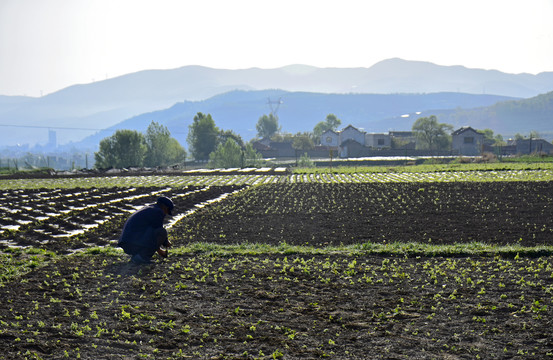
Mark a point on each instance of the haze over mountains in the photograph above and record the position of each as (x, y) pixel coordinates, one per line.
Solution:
(300, 111)
(308, 95)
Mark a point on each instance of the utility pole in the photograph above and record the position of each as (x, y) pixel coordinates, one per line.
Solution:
(274, 109)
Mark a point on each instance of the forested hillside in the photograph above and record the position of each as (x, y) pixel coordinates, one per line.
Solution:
(509, 117)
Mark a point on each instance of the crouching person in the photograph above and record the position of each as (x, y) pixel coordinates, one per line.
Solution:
(143, 233)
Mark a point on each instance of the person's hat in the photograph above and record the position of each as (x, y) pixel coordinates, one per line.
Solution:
(167, 202)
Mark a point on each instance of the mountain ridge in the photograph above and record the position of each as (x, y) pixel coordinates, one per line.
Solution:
(105, 103)
(299, 111)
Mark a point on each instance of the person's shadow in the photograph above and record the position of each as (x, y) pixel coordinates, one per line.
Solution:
(126, 268)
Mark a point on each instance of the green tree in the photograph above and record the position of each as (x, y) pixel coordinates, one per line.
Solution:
(283, 137)
(499, 141)
(162, 149)
(203, 136)
(431, 134)
(252, 157)
(227, 155)
(331, 123)
(305, 161)
(301, 143)
(231, 153)
(229, 134)
(533, 135)
(123, 149)
(175, 152)
(491, 139)
(488, 134)
(267, 126)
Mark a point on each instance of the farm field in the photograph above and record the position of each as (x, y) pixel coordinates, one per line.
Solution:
(446, 264)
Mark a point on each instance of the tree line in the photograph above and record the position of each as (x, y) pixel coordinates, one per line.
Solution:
(206, 141)
(225, 148)
(128, 148)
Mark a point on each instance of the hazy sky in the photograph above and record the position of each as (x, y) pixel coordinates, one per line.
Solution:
(46, 45)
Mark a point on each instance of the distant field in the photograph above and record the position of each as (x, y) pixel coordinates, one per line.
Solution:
(422, 173)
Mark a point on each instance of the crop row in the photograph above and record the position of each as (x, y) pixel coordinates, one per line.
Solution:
(498, 213)
(141, 181)
(444, 176)
(282, 307)
(21, 207)
(313, 213)
(88, 216)
(257, 179)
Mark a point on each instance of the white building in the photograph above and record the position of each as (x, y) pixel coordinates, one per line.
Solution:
(350, 132)
(330, 138)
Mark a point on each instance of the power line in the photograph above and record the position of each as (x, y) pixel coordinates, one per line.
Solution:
(67, 128)
(274, 110)
(52, 127)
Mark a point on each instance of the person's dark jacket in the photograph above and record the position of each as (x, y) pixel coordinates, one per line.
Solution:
(148, 217)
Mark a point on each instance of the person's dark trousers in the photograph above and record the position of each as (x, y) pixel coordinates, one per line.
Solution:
(146, 245)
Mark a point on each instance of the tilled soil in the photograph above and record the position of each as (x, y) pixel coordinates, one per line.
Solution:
(294, 306)
(497, 213)
(299, 305)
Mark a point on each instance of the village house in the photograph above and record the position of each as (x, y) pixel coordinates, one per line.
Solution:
(378, 140)
(350, 132)
(330, 138)
(467, 141)
(352, 142)
(533, 146)
(274, 149)
(353, 149)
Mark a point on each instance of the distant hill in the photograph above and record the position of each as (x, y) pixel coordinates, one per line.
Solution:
(425, 77)
(300, 111)
(105, 103)
(505, 117)
(510, 117)
(9, 103)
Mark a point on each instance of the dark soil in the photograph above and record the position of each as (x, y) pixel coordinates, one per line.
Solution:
(297, 306)
(499, 213)
(293, 306)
